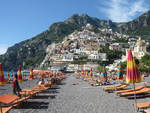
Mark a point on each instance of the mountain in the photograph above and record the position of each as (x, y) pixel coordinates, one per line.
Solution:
(31, 52)
(140, 26)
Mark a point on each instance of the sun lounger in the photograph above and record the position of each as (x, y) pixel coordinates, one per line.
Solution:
(143, 105)
(129, 90)
(122, 86)
(142, 91)
(10, 101)
(112, 86)
(27, 92)
(33, 91)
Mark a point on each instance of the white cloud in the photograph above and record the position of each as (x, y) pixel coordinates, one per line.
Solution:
(3, 48)
(123, 10)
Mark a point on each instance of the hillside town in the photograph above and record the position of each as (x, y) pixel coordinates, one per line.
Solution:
(85, 45)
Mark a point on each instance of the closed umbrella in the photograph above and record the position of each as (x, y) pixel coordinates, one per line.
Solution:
(132, 73)
(2, 78)
(119, 72)
(31, 77)
(104, 73)
(19, 74)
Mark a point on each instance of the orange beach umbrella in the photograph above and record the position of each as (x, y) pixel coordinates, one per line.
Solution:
(19, 74)
(31, 77)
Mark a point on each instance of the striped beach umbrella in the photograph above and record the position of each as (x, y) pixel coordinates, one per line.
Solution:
(132, 73)
(119, 72)
(104, 73)
(2, 78)
(19, 74)
(31, 77)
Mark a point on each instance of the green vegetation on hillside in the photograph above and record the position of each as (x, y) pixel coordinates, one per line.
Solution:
(111, 54)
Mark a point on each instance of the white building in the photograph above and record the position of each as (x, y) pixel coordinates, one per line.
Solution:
(100, 56)
(67, 57)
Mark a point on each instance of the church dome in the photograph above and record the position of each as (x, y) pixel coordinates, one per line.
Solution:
(140, 42)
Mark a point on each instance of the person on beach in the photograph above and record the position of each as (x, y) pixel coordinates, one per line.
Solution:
(16, 87)
(11, 75)
(41, 82)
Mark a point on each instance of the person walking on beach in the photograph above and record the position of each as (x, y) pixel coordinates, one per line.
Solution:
(16, 87)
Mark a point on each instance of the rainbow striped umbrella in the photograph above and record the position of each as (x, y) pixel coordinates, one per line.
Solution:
(119, 72)
(19, 74)
(104, 73)
(2, 79)
(132, 74)
(31, 77)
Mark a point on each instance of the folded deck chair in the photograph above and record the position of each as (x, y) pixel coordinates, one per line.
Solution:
(129, 90)
(142, 91)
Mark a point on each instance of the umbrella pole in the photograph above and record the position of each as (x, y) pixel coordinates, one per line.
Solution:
(135, 98)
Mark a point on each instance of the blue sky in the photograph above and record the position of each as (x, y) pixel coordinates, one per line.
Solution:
(23, 19)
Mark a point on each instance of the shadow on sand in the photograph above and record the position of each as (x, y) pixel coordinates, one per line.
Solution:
(34, 105)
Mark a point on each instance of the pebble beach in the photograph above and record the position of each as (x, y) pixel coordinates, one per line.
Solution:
(72, 96)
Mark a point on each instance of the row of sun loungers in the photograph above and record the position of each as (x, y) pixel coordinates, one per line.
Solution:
(141, 92)
(11, 101)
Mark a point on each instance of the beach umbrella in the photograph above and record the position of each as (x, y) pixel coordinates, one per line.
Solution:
(19, 74)
(132, 73)
(91, 73)
(86, 73)
(104, 73)
(31, 77)
(119, 72)
(8, 76)
(2, 78)
(25, 75)
(82, 73)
